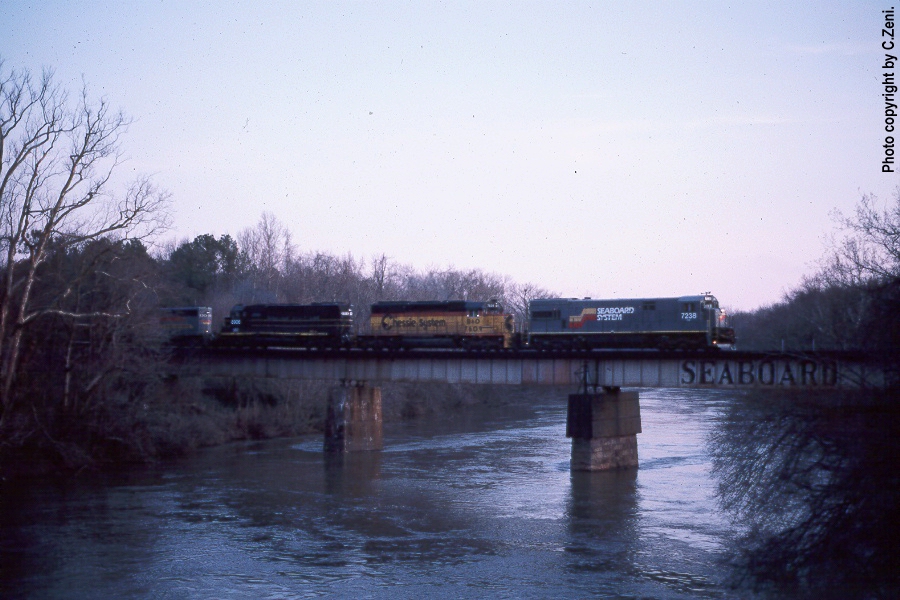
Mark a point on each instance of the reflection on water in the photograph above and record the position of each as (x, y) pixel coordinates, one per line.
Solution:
(480, 504)
(602, 506)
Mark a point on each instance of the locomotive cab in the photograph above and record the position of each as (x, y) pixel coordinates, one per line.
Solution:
(721, 334)
(186, 324)
(493, 307)
(233, 320)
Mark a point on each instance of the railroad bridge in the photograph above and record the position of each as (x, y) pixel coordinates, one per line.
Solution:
(603, 420)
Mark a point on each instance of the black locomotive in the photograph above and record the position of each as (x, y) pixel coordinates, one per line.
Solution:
(318, 325)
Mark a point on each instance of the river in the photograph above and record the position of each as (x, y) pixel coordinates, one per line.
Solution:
(478, 504)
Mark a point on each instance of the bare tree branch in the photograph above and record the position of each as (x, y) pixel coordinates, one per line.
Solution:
(867, 248)
(56, 167)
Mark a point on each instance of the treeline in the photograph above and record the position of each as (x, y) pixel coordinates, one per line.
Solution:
(263, 265)
(851, 302)
(89, 386)
(825, 315)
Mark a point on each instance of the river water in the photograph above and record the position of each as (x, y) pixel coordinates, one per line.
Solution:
(478, 504)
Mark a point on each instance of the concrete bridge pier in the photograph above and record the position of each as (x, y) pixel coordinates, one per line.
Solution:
(604, 427)
(353, 420)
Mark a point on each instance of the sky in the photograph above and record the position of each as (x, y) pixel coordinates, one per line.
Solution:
(603, 149)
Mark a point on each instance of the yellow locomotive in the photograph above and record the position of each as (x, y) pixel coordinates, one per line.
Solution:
(451, 324)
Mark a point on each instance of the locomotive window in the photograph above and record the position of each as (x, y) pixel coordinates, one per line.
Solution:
(649, 305)
(710, 302)
(545, 314)
(689, 307)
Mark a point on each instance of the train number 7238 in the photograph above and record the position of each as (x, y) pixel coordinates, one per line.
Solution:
(689, 316)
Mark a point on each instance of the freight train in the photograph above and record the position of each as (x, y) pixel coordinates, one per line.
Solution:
(688, 322)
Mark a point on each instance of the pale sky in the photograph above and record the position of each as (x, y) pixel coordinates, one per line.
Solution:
(604, 149)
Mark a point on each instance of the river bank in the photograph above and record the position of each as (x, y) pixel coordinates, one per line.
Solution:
(176, 417)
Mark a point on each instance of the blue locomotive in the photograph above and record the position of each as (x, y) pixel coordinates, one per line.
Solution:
(688, 322)
(186, 324)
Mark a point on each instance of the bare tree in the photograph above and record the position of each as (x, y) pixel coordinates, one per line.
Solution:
(380, 274)
(57, 159)
(868, 247)
(805, 476)
(520, 295)
(268, 248)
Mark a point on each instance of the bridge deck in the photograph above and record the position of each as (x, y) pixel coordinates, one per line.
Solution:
(607, 368)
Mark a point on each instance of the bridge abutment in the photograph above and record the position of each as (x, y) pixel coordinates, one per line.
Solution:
(604, 427)
(353, 419)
